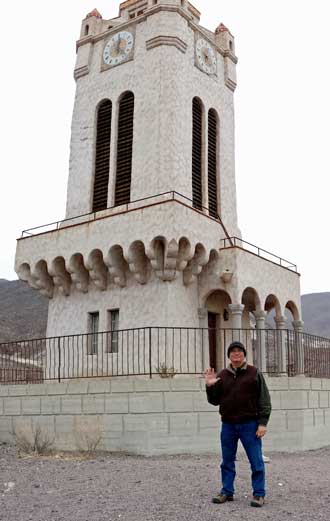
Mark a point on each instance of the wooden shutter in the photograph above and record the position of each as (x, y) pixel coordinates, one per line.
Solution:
(102, 156)
(212, 163)
(124, 149)
(197, 153)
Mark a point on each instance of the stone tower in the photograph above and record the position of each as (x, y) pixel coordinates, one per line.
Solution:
(150, 236)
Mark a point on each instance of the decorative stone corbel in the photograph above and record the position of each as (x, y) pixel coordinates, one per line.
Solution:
(98, 271)
(226, 276)
(138, 262)
(185, 254)
(117, 265)
(79, 273)
(61, 277)
(163, 258)
(38, 279)
(195, 266)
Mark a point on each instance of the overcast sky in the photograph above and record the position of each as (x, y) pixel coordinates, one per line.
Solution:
(282, 121)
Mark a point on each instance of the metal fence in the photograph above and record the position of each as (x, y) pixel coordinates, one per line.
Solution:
(160, 351)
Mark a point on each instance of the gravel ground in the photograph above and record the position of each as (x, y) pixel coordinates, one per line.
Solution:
(131, 488)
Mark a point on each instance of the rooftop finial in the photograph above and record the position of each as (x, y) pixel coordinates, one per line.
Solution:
(94, 13)
(221, 29)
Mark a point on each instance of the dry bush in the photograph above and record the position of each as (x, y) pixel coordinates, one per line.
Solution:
(88, 437)
(166, 372)
(34, 440)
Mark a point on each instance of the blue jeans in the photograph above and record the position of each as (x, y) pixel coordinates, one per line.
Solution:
(246, 432)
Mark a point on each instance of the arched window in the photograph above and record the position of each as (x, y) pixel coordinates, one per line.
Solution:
(213, 163)
(102, 156)
(124, 149)
(197, 143)
(86, 30)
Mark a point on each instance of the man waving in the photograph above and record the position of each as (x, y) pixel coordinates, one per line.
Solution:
(242, 394)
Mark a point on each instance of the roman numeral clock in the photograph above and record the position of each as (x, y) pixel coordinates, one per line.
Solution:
(118, 49)
(205, 56)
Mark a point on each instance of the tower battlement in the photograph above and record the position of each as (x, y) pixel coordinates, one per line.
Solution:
(94, 23)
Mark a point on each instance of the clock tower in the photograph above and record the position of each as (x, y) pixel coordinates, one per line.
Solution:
(150, 236)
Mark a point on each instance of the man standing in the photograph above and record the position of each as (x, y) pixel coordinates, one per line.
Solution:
(245, 407)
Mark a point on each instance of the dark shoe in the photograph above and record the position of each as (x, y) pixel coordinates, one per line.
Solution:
(222, 498)
(257, 501)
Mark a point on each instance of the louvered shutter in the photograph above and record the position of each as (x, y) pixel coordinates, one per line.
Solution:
(124, 149)
(197, 154)
(102, 156)
(212, 163)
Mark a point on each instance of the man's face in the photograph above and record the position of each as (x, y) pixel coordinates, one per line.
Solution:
(236, 356)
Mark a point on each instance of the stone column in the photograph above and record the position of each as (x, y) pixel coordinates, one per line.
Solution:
(298, 329)
(281, 335)
(204, 338)
(260, 317)
(236, 311)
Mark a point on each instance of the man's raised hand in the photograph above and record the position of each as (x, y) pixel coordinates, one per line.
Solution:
(210, 377)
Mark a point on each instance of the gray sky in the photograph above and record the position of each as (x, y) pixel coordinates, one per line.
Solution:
(282, 121)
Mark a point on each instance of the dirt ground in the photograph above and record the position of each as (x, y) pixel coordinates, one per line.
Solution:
(121, 487)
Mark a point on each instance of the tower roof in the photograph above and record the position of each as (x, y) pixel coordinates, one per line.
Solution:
(221, 29)
(94, 13)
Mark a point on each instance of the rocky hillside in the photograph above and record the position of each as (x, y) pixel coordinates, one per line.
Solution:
(316, 313)
(23, 312)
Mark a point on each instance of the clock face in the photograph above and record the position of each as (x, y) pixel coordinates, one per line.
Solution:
(118, 48)
(206, 57)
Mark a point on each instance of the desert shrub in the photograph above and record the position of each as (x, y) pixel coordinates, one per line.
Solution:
(88, 437)
(33, 440)
(165, 372)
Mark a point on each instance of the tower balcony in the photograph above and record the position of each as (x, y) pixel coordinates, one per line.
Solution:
(160, 236)
(163, 233)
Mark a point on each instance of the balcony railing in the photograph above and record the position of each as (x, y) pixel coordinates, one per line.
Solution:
(231, 242)
(160, 351)
(137, 204)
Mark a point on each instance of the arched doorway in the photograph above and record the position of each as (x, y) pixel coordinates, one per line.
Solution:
(217, 304)
(252, 307)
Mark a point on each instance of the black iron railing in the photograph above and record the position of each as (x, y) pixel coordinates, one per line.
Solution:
(160, 351)
(230, 242)
(136, 204)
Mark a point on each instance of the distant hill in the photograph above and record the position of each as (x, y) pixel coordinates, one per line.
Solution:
(23, 312)
(316, 313)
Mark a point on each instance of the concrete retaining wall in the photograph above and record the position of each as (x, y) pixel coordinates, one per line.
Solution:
(160, 416)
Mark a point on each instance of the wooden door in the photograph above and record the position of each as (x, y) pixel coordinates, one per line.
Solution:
(212, 324)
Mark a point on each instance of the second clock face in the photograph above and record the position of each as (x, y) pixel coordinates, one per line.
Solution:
(118, 48)
(206, 57)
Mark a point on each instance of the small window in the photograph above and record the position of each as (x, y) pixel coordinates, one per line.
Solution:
(230, 45)
(86, 30)
(132, 15)
(93, 330)
(113, 335)
(155, 2)
(140, 12)
(110, 26)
